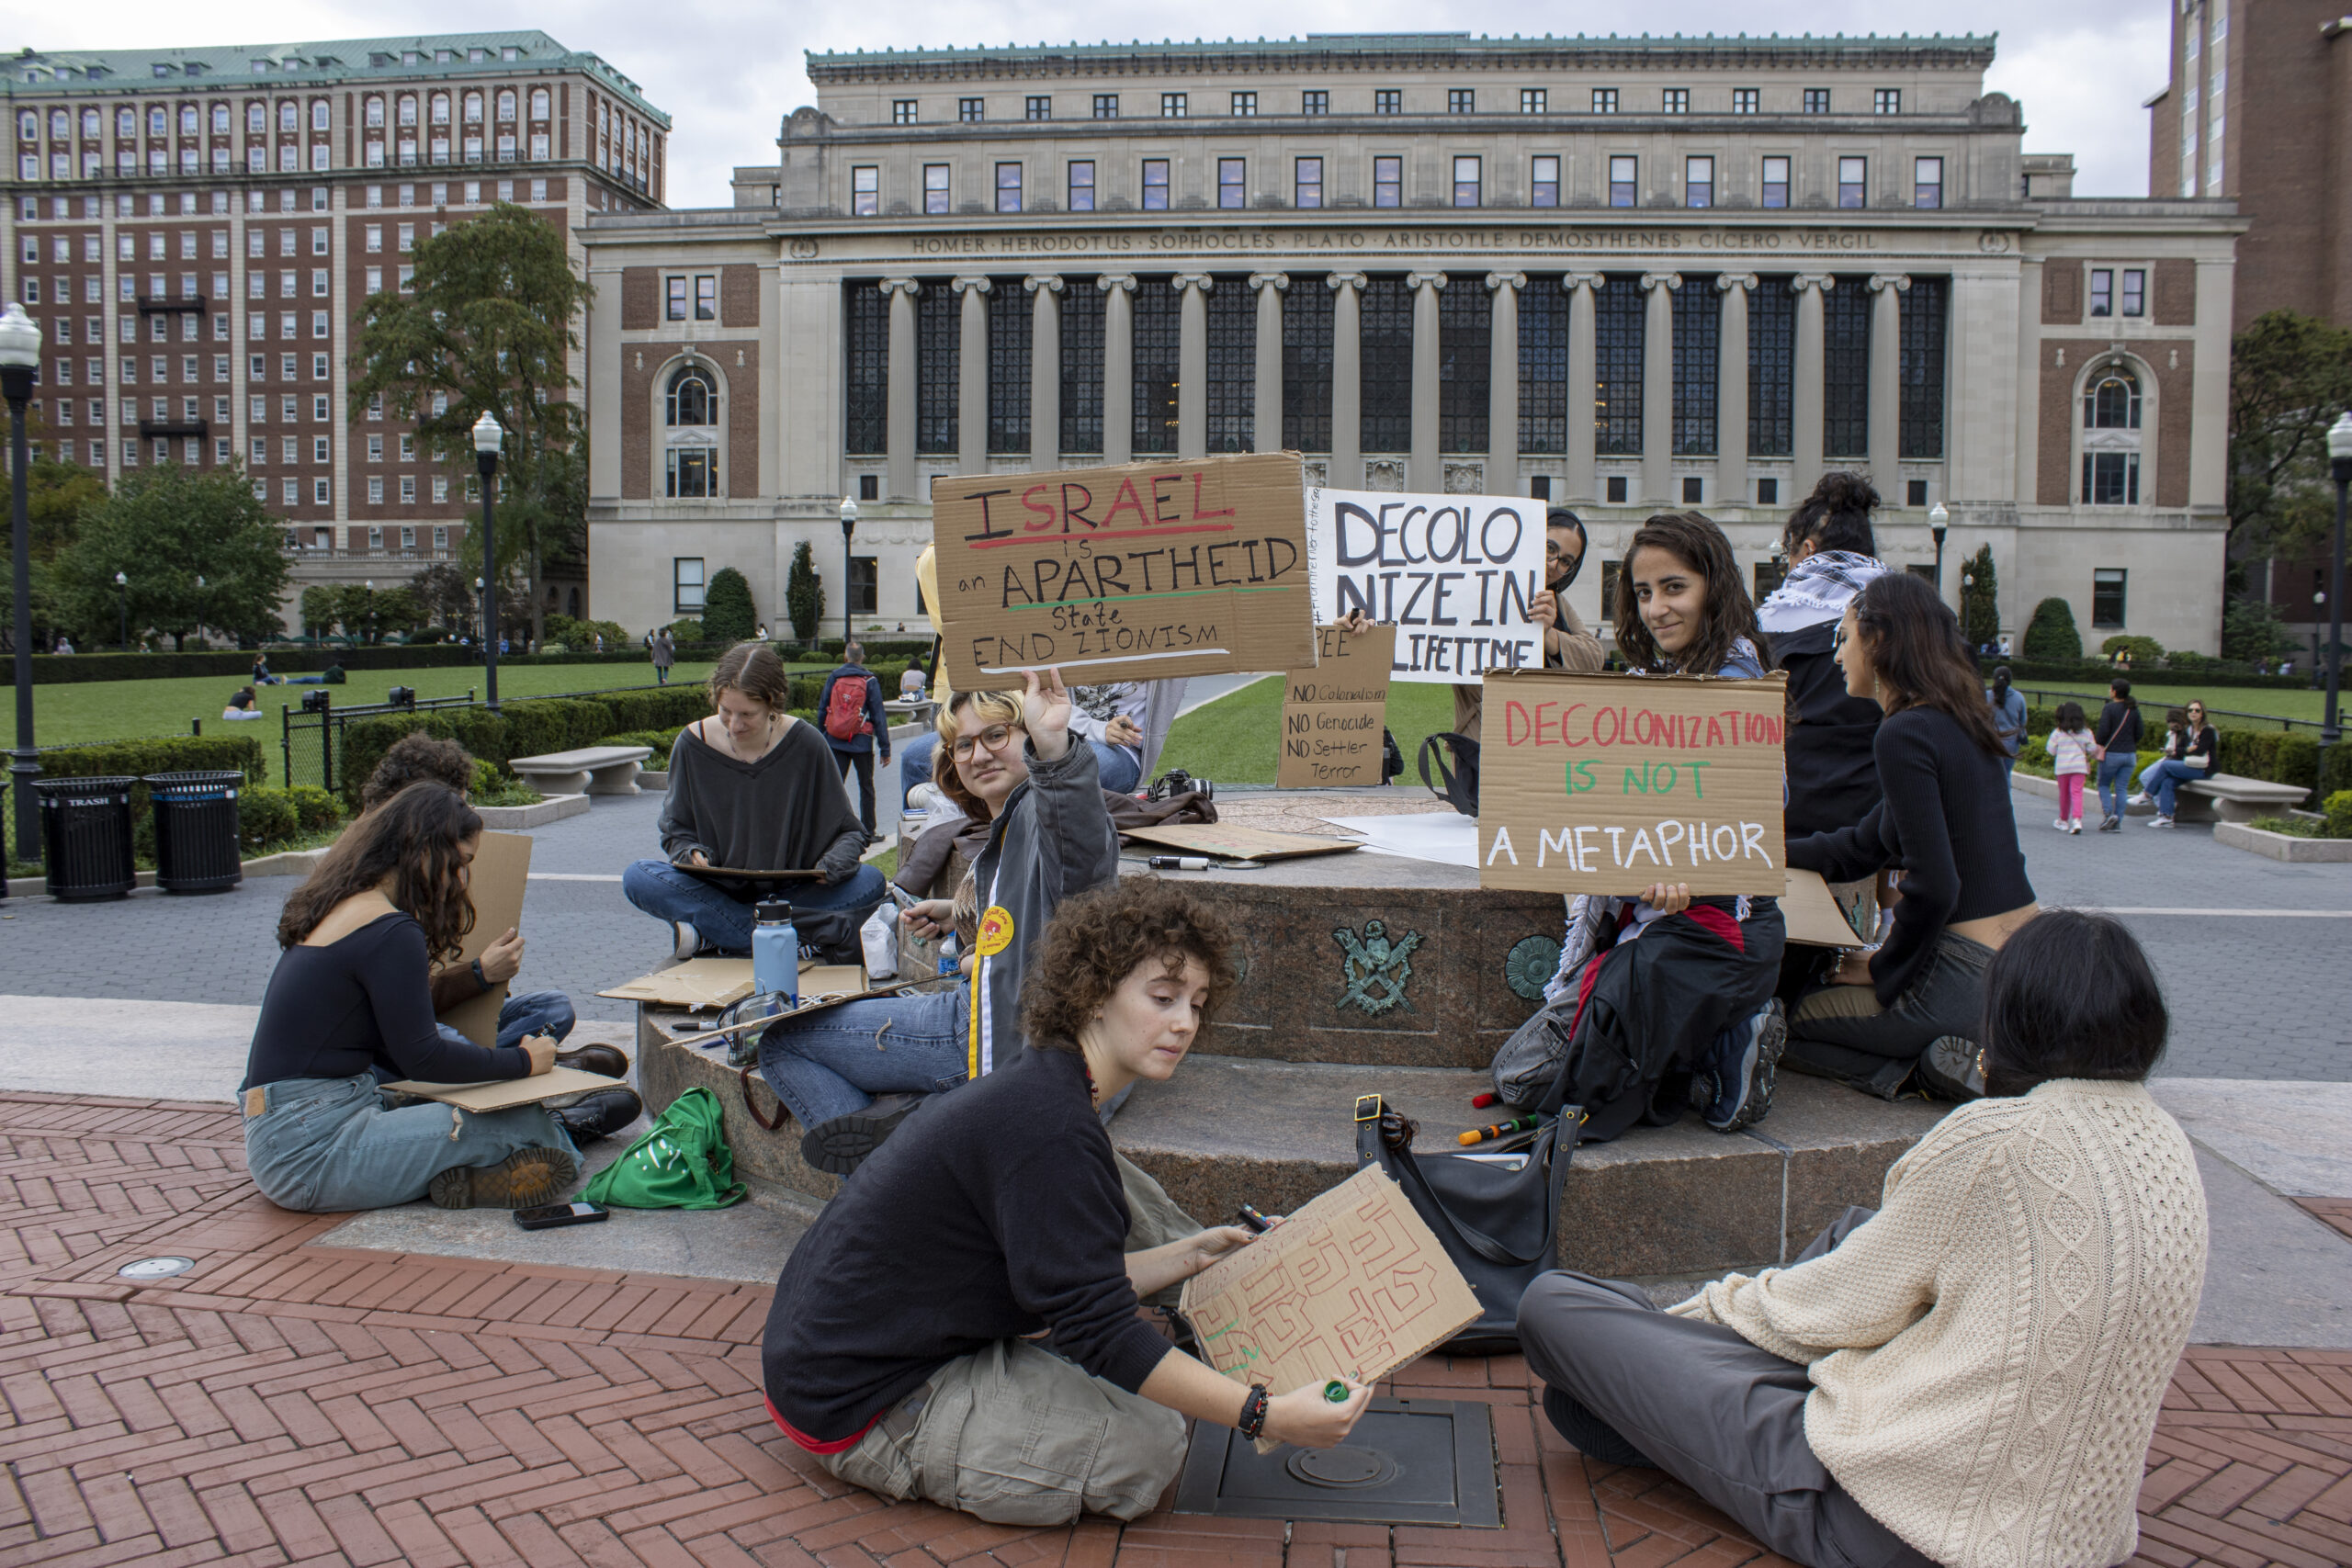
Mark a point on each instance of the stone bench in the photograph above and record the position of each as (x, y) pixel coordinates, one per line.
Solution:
(2234, 799)
(591, 770)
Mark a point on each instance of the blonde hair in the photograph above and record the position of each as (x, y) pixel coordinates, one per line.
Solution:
(994, 707)
(753, 668)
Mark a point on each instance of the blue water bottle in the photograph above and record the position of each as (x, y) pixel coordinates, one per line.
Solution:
(775, 952)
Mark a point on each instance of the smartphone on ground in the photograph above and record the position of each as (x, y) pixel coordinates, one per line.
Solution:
(555, 1214)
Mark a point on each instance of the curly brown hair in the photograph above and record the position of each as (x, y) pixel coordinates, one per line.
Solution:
(413, 758)
(1100, 936)
(416, 839)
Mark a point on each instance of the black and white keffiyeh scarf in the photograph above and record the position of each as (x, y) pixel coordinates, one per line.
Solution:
(1817, 589)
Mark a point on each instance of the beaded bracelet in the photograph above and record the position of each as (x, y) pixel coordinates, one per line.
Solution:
(1253, 1413)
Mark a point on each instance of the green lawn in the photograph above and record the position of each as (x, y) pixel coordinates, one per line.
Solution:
(2299, 704)
(1234, 739)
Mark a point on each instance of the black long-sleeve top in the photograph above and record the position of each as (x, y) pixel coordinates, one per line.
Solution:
(336, 1012)
(785, 812)
(1945, 820)
(1833, 774)
(994, 1212)
(2118, 726)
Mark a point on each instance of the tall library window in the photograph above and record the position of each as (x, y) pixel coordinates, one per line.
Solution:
(1106, 105)
(1853, 182)
(1926, 182)
(1618, 334)
(1886, 100)
(1697, 182)
(1082, 186)
(1159, 337)
(866, 191)
(1244, 104)
(1544, 181)
(1604, 100)
(1388, 181)
(690, 475)
(1624, 174)
(674, 306)
(934, 187)
(864, 585)
(2106, 596)
(1465, 364)
(1315, 101)
(1845, 369)
(1232, 182)
(2102, 291)
(1008, 187)
(1232, 402)
(1745, 100)
(1082, 369)
(1462, 100)
(1465, 183)
(1039, 106)
(1174, 106)
(938, 358)
(1306, 182)
(1385, 383)
(1543, 368)
(1698, 335)
(1155, 185)
(1919, 368)
(706, 298)
(2135, 291)
(1533, 100)
(1388, 100)
(971, 111)
(1816, 100)
(1306, 366)
(1774, 191)
(1771, 374)
(1677, 100)
(685, 585)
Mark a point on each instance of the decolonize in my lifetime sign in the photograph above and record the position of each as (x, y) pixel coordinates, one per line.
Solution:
(1608, 784)
(1139, 573)
(1451, 573)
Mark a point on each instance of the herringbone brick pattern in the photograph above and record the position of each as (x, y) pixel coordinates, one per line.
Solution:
(284, 1403)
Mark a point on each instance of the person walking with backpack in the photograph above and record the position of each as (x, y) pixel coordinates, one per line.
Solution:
(2118, 733)
(855, 725)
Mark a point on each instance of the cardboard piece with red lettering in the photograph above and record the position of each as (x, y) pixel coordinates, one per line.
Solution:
(1608, 784)
(1333, 713)
(1453, 573)
(1139, 573)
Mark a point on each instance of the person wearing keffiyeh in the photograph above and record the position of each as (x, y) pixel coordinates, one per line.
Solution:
(1832, 777)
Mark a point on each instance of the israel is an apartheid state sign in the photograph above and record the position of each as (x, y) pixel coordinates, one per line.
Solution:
(1137, 573)
(1451, 573)
(1608, 784)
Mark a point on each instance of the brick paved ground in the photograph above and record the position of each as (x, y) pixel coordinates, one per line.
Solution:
(284, 1403)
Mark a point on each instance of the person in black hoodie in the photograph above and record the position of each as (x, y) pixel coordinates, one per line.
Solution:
(1833, 556)
(902, 1347)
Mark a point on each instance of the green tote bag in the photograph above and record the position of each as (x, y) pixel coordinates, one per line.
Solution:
(683, 1162)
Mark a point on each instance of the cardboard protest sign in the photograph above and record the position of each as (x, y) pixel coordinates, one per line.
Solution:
(1137, 573)
(1352, 1285)
(1333, 713)
(1607, 784)
(498, 1094)
(501, 869)
(1230, 841)
(1813, 914)
(699, 984)
(1453, 573)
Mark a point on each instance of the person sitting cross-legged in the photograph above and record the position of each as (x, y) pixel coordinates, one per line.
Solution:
(960, 1324)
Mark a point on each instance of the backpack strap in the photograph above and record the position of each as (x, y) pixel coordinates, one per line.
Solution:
(1368, 1112)
(744, 1077)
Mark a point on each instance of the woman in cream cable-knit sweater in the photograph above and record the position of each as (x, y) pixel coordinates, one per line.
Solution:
(1969, 1376)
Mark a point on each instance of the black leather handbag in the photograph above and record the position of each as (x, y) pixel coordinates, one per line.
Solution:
(1500, 1225)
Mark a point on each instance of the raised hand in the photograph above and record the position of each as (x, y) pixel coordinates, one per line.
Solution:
(1045, 713)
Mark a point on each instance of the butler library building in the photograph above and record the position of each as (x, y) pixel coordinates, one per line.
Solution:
(1622, 274)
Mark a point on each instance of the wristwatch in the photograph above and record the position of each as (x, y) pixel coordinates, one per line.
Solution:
(1253, 1413)
(479, 979)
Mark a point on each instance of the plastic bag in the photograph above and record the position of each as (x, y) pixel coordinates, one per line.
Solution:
(880, 936)
(681, 1162)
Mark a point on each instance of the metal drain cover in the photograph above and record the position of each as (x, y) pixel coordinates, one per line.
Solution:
(1409, 1461)
(156, 1268)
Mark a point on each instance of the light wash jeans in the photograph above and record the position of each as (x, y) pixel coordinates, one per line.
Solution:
(2162, 779)
(2113, 768)
(914, 763)
(324, 1145)
(666, 893)
(838, 1061)
(1121, 767)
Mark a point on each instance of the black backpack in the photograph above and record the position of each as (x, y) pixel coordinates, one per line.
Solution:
(1460, 787)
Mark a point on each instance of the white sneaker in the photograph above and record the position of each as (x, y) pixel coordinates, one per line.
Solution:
(2059, 824)
(2140, 799)
(2159, 821)
(2077, 825)
(687, 941)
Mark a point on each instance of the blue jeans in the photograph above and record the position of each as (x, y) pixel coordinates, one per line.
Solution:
(1119, 766)
(324, 1146)
(2163, 778)
(666, 893)
(834, 1064)
(914, 763)
(529, 1012)
(2113, 768)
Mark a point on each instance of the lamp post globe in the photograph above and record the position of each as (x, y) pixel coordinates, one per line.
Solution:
(1939, 521)
(20, 357)
(489, 437)
(122, 602)
(849, 527)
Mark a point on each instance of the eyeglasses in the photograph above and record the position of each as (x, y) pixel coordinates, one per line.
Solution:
(993, 738)
(1552, 551)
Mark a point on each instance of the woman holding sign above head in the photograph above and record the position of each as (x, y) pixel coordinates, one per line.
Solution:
(1673, 994)
(903, 1348)
(1915, 1005)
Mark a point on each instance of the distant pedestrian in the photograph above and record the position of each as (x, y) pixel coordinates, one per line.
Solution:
(761, 633)
(851, 710)
(665, 654)
(2009, 716)
(2070, 749)
(64, 644)
(2191, 748)
(2118, 734)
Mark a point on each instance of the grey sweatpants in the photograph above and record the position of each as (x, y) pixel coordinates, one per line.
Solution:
(1722, 1417)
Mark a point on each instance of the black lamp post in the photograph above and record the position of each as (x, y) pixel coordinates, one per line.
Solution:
(1938, 521)
(19, 357)
(2339, 467)
(122, 603)
(489, 436)
(849, 527)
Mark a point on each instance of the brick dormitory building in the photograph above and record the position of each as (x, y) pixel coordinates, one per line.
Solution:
(1623, 272)
(196, 231)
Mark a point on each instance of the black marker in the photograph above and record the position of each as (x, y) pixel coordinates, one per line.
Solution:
(1255, 1220)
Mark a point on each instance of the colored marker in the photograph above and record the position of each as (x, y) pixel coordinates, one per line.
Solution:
(1480, 1101)
(1254, 1220)
(1336, 1391)
(1178, 863)
(1500, 1130)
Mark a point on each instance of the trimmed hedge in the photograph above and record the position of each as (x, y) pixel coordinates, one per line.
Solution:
(2280, 756)
(529, 727)
(164, 754)
(69, 669)
(2098, 672)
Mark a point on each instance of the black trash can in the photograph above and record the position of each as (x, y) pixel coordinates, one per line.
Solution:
(85, 827)
(195, 831)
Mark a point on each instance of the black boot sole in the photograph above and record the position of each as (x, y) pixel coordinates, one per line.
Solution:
(841, 1145)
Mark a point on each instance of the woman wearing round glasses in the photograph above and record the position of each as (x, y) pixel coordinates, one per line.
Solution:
(2191, 751)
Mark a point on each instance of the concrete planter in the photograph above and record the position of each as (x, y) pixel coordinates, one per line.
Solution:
(516, 818)
(2284, 846)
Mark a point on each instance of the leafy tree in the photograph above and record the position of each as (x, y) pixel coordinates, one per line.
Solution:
(804, 597)
(1980, 593)
(488, 324)
(398, 609)
(2252, 630)
(2051, 636)
(57, 492)
(445, 592)
(317, 610)
(165, 527)
(2291, 375)
(727, 613)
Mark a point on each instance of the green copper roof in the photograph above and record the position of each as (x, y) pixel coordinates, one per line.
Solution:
(49, 73)
(1334, 48)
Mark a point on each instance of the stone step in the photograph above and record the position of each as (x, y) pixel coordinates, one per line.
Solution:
(1661, 1203)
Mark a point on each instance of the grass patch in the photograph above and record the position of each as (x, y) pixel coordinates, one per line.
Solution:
(2293, 827)
(1236, 739)
(2262, 702)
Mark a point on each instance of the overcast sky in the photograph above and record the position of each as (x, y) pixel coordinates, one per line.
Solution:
(727, 71)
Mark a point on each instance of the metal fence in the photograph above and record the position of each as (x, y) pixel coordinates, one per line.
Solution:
(311, 742)
(2036, 696)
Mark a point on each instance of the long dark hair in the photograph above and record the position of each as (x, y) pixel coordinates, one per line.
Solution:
(1693, 539)
(1836, 516)
(2071, 994)
(1914, 642)
(416, 839)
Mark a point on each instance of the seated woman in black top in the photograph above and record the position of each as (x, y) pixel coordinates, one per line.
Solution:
(899, 1349)
(1945, 820)
(354, 990)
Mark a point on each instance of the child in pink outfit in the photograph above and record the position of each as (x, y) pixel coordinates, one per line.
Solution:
(2072, 750)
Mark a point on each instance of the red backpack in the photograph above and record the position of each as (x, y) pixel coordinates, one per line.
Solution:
(845, 709)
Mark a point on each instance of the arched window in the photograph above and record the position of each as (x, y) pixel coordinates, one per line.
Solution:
(506, 104)
(690, 443)
(473, 108)
(693, 398)
(408, 109)
(2113, 402)
(539, 101)
(375, 110)
(2111, 437)
(440, 109)
(188, 119)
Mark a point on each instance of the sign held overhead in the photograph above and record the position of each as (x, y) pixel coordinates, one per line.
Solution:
(1453, 573)
(1137, 573)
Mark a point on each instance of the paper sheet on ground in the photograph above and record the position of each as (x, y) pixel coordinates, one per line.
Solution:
(1352, 1285)
(501, 869)
(501, 1094)
(1443, 838)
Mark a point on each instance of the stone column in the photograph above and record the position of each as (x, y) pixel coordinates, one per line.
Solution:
(1886, 385)
(972, 378)
(1045, 370)
(1502, 384)
(1118, 366)
(898, 438)
(1425, 465)
(1347, 379)
(1657, 388)
(1732, 488)
(1583, 367)
(1192, 362)
(1266, 417)
(1806, 397)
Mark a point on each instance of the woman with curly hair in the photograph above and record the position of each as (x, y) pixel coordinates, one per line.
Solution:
(1684, 1014)
(901, 1349)
(353, 991)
